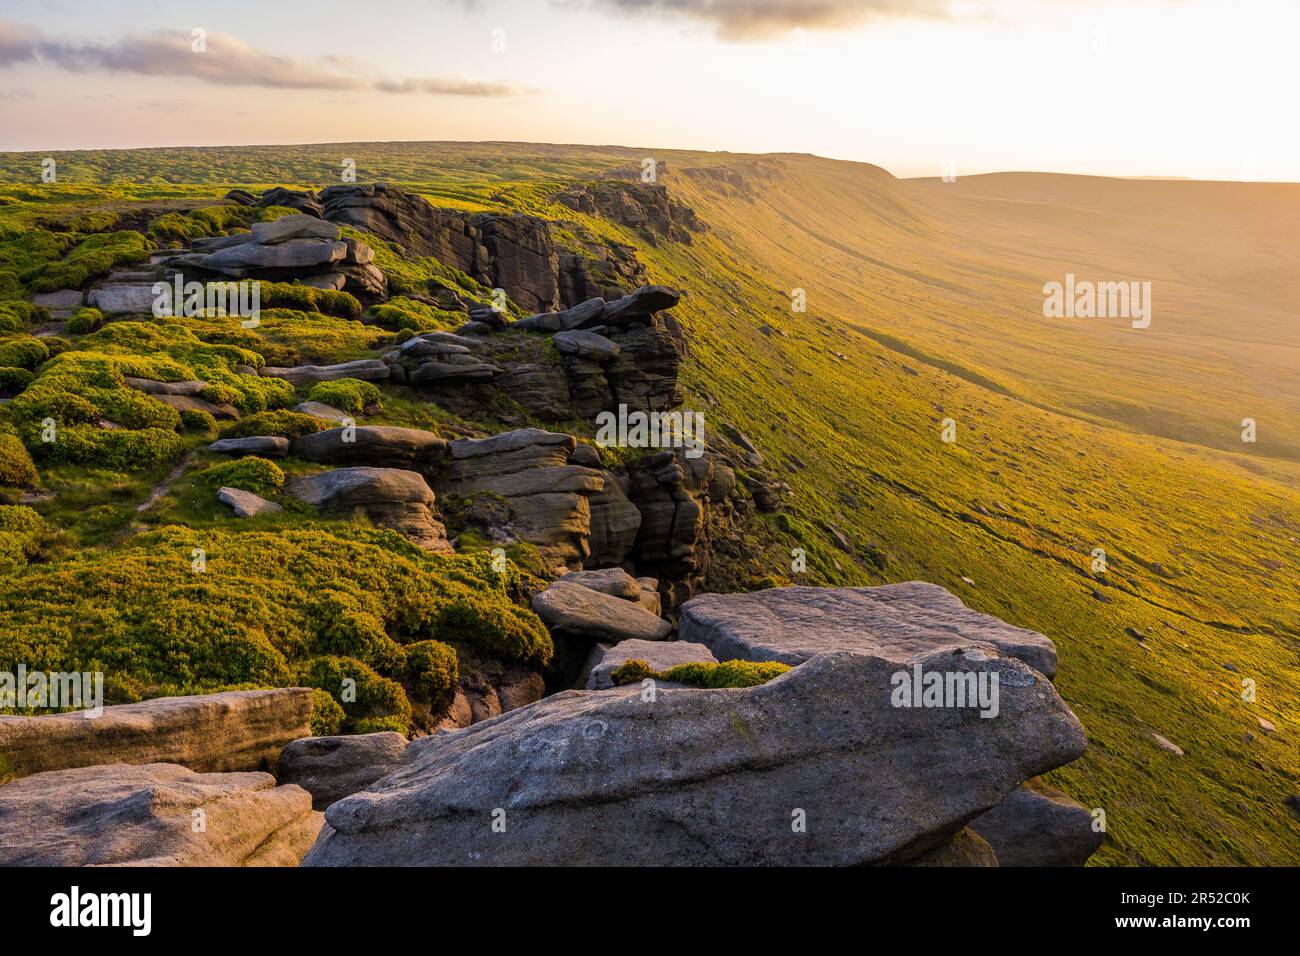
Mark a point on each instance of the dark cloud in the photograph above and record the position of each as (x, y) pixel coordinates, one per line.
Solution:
(761, 19)
(224, 61)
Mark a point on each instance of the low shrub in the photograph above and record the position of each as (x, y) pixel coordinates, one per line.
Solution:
(23, 352)
(432, 670)
(326, 714)
(347, 394)
(95, 256)
(85, 320)
(16, 467)
(21, 529)
(285, 424)
(197, 420)
(14, 380)
(724, 674)
(251, 474)
(18, 316)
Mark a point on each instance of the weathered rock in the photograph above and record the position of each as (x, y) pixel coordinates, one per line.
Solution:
(711, 777)
(546, 498)
(448, 373)
(145, 815)
(660, 655)
(895, 621)
(964, 848)
(235, 730)
(637, 205)
(267, 260)
(64, 300)
(380, 445)
(368, 370)
(1038, 825)
(264, 446)
(136, 299)
(184, 403)
(294, 227)
(331, 768)
(587, 345)
(321, 410)
(614, 523)
(649, 597)
(573, 609)
(305, 200)
(612, 581)
(637, 307)
(246, 504)
(390, 497)
(188, 389)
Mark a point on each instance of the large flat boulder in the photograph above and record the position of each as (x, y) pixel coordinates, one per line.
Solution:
(381, 445)
(264, 446)
(368, 370)
(712, 777)
(234, 730)
(154, 815)
(390, 497)
(331, 768)
(569, 608)
(660, 655)
(1038, 825)
(895, 621)
(288, 255)
(133, 298)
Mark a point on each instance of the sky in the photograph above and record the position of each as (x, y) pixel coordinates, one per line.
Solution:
(1195, 88)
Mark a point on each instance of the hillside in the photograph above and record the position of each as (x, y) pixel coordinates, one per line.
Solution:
(924, 304)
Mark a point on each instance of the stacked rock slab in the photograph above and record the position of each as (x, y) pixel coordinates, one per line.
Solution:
(146, 815)
(528, 471)
(390, 497)
(712, 777)
(235, 730)
(894, 621)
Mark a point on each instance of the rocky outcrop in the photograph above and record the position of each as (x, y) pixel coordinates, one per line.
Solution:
(572, 609)
(614, 523)
(1038, 825)
(390, 497)
(154, 814)
(542, 498)
(645, 207)
(660, 655)
(670, 492)
(331, 768)
(302, 246)
(895, 622)
(711, 777)
(235, 730)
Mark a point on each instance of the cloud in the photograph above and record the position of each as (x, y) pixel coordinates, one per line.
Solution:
(742, 20)
(219, 59)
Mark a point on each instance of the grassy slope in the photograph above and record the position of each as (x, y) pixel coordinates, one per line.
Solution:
(1201, 542)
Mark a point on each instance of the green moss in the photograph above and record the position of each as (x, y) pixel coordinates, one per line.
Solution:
(252, 474)
(16, 467)
(305, 298)
(411, 315)
(85, 320)
(282, 423)
(18, 316)
(347, 394)
(707, 675)
(22, 352)
(93, 257)
(326, 714)
(432, 670)
(14, 380)
(197, 420)
(21, 530)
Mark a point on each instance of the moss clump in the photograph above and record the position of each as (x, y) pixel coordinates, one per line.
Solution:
(282, 423)
(14, 380)
(16, 467)
(23, 352)
(260, 612)
(17, 316)
(432, 671)
(326, 714)
(305, 298)
(85, 320)
(21, 529)
(412, 315)
(197, 420)
(347, 394)
(93, 257)
(708, 675)
(252, 474)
